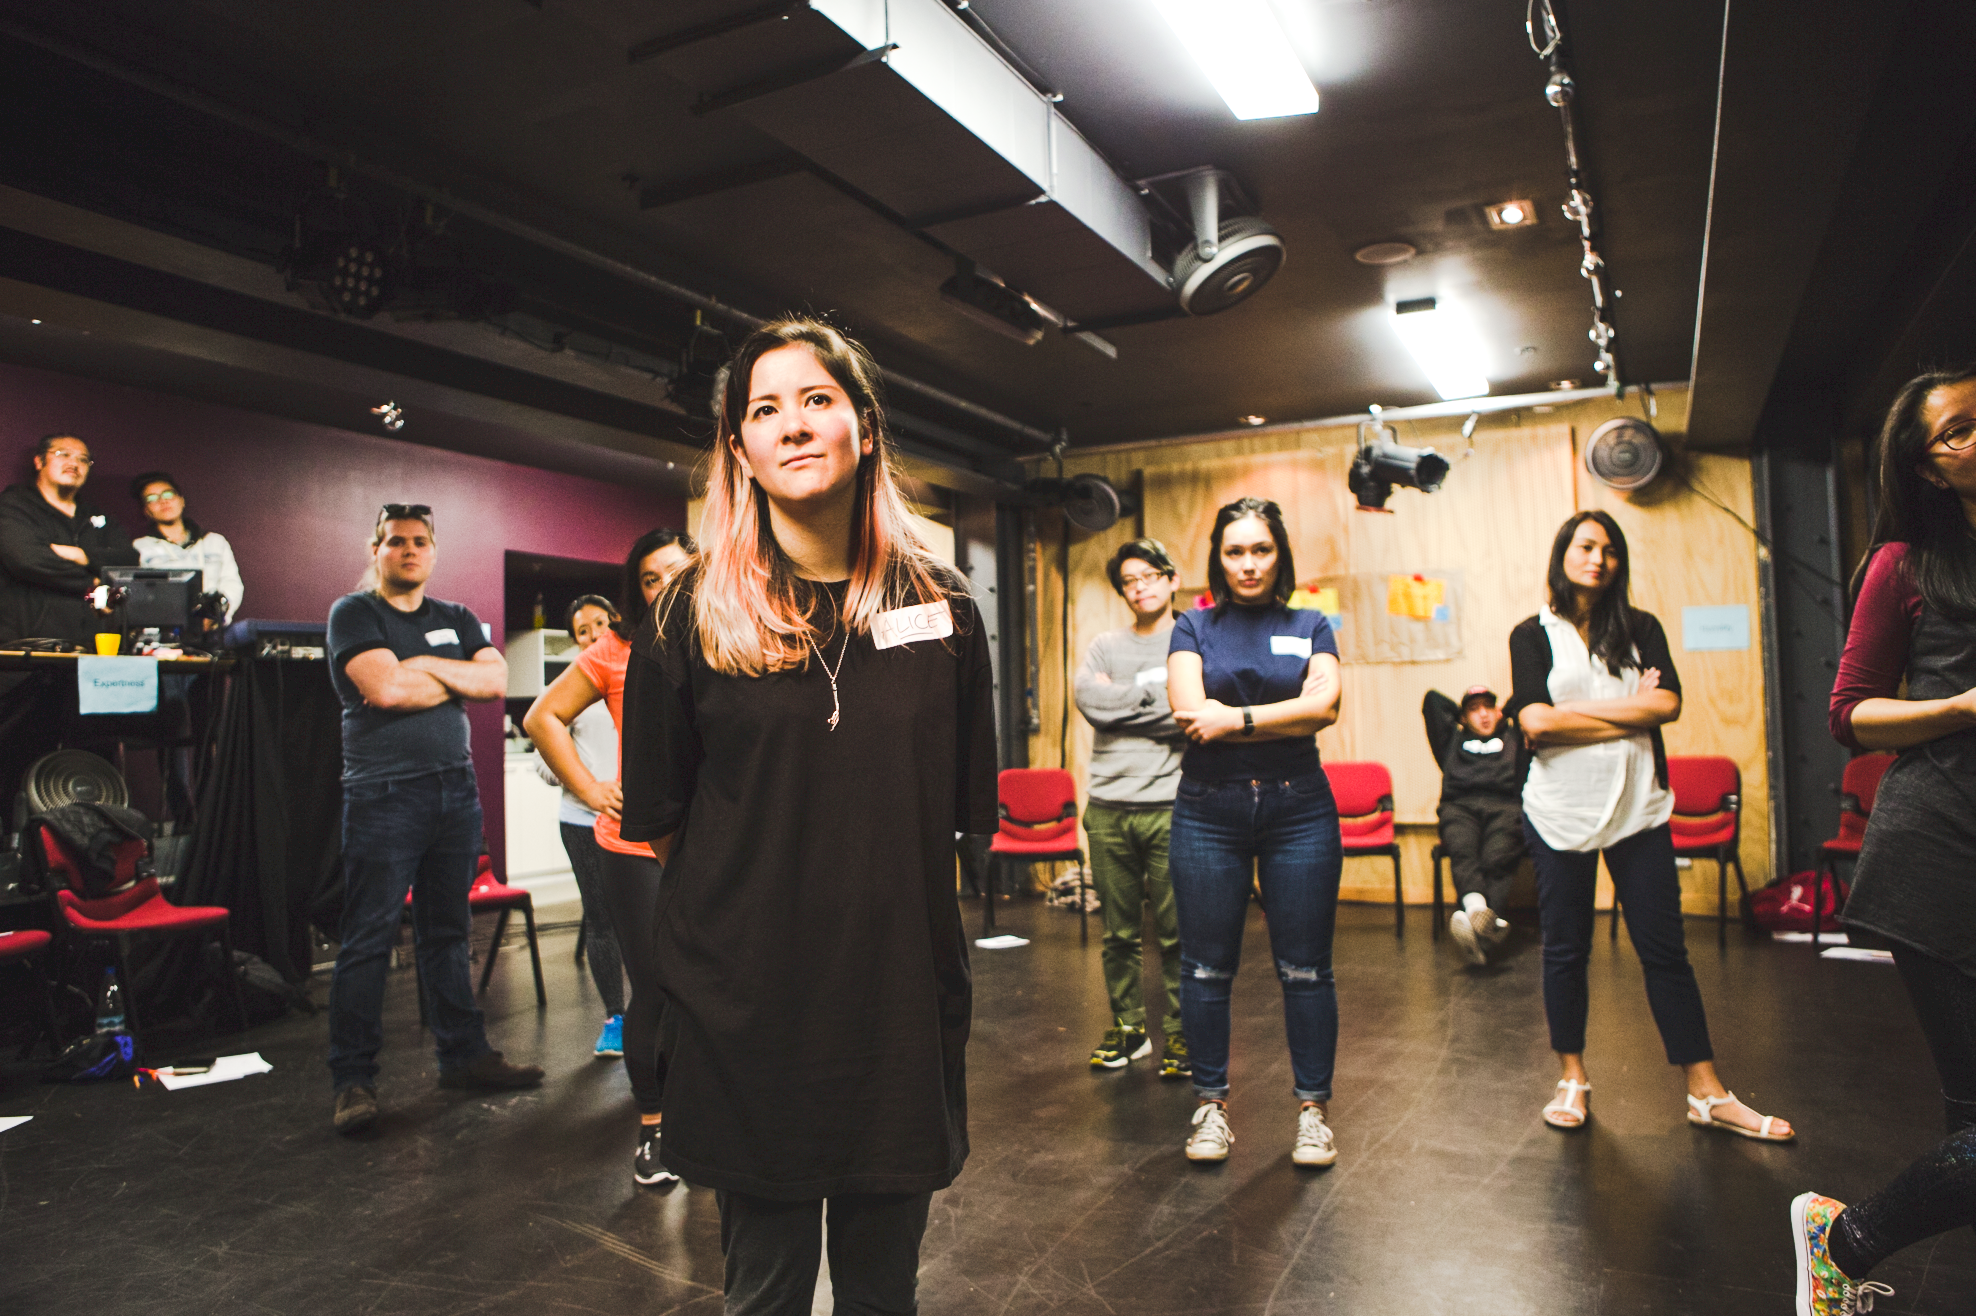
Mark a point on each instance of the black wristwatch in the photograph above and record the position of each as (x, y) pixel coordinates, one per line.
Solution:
(1248, 721)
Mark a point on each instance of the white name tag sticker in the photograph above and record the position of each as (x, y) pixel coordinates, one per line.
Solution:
(927, 621)
(1291, 646)
(444, 635)
(1151, 676)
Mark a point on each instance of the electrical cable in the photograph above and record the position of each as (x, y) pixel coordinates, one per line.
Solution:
(1777, 555)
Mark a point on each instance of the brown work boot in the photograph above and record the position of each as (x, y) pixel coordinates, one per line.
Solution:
(490, 1073)
(356, 1108)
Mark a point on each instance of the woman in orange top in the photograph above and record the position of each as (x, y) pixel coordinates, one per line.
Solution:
(630, 874)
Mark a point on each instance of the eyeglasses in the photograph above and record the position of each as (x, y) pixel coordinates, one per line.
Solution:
(159, 496)
(404, 512)
(70, 455)
(1957, 438)
(1140, 578)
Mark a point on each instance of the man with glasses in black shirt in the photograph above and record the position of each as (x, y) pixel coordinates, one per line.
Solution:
(53, 546)
(404, 666)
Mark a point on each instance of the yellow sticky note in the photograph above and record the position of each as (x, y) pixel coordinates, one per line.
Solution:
(1414, 596)
(1327, 600)
(1303, 600)
(1399, 596)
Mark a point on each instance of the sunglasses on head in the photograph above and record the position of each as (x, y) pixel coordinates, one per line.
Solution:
(404, 512)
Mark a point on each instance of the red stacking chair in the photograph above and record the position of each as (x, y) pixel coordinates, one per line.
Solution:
(489, 894)
(22, 947)
(1708, 824)
(1038, 809)
(133, 909)
(1857, 789)
(1364, 792)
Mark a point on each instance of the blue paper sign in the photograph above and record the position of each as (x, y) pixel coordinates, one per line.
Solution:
(1715, 628)
(116, 685)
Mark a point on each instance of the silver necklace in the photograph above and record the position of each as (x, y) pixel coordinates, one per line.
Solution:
(835, 707)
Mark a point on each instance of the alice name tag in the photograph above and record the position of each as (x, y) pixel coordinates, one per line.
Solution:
(1150, 676)
(444, 635)
(927, 621)
(1290, 646)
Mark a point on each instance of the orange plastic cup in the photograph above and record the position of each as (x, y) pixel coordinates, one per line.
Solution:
(108, 643)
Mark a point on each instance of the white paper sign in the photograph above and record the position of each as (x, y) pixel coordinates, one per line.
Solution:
(444, 635)
(1293, 646)
(927, 621)
(1151, 676)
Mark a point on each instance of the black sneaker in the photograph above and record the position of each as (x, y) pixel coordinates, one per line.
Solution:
(1121, 1045)
(1174, 1062)
(490, 1073)
(356, 1108)
(645, 1168)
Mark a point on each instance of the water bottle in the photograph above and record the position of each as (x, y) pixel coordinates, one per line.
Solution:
(110, 1009)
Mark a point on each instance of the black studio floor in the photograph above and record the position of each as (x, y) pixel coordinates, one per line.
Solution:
(1449, 1196)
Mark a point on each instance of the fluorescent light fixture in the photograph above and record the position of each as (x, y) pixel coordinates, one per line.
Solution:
(1445, 346)
(1241, 47)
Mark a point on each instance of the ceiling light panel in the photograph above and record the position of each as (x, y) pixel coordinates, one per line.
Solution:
(1445, 345)
(1242, 49)
(1511, 214)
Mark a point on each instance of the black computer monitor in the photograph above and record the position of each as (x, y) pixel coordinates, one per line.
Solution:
(160, 597)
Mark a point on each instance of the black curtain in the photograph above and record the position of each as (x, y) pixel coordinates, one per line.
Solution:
(268, 842)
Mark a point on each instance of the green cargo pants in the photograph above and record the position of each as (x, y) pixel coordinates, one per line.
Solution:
(1128, 869)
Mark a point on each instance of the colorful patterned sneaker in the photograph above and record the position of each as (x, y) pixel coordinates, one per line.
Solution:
(1211, 1136)
(610, 1042)
(1120, 1046)
(1315, 1146)
(1823, 1289)
(1174, 1061)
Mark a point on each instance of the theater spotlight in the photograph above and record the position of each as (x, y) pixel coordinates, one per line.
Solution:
(1382, 463)
(994, 306)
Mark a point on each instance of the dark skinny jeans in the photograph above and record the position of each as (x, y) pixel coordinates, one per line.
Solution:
(1228, 835)
(600, 946)
(773, 1248)
(1649, 890)
(631, 889)
(1938, 1192)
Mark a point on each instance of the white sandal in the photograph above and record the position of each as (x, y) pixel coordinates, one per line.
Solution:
(1701, 1110)
(1563, 1106)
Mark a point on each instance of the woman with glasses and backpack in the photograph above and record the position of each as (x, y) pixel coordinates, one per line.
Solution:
(1252, 682)
(1913, 626)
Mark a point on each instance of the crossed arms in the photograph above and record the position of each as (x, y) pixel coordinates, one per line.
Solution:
(411, 684)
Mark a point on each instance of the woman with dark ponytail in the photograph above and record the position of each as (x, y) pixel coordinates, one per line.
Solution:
(1594, 683)
(1914, 624)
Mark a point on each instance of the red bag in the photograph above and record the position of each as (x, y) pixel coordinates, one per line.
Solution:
(1785, 905)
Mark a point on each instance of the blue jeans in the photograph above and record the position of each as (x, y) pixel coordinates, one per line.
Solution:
(1649, 891)
(1286, 833)
(418, 834)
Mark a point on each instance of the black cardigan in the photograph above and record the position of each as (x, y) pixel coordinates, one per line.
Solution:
(1530, 662)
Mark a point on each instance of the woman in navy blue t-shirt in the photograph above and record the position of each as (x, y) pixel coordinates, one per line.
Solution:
(1252, 682)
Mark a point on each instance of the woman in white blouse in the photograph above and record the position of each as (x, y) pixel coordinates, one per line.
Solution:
(1593, 684)
(176, 540)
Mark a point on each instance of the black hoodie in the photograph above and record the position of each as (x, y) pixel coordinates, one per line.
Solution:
(41, 592)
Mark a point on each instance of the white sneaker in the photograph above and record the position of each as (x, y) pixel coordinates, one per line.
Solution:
(1466, 937)
(1315, 1145)
(1210, 1139)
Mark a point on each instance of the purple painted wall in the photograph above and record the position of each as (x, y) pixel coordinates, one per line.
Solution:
(297, 502)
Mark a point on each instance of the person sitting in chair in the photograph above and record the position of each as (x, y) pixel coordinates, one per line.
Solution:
(1481, 810)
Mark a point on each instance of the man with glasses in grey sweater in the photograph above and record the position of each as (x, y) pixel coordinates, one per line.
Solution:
(1135, 771)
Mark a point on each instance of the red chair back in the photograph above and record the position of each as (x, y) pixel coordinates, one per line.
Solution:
(62, 863)
(1858, 787)
(1036, 804)
(1702, 784)
(1364, 792)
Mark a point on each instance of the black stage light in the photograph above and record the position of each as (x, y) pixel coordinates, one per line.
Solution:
(701, 363)
(343, 273)
(1380, 464)
(993, 305)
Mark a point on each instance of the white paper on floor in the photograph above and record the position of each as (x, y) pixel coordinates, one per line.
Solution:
(224, 1070)
(1007, 941)
(1857, 953)
(1824, 938)
(13, 1121)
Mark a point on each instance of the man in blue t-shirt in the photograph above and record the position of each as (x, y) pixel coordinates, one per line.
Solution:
(403, 664)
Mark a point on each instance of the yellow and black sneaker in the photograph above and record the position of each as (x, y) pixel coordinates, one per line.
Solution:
(1173, 1061)
(1121, 1045)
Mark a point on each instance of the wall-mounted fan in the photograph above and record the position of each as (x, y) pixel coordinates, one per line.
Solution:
(1625, 454)
(1089, 502)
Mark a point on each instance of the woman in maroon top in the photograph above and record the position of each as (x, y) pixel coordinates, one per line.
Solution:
(1915, 884)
